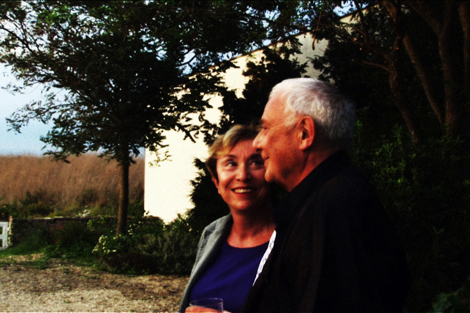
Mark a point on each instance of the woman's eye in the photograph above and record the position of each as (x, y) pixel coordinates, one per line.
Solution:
(258, 161)
(230, 163)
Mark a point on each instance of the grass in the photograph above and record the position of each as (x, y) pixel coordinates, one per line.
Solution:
(10, 257)
(42, 185)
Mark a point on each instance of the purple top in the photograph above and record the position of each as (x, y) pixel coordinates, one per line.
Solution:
(231, 276)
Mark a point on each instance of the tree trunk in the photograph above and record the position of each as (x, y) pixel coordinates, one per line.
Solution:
(393, 65)
(396, 85)
(424, 76)
(464, 12)
(124, 165)
(444, 28)
(453, 84)
(425, 79)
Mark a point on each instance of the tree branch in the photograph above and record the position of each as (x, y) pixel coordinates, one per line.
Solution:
(464, 13)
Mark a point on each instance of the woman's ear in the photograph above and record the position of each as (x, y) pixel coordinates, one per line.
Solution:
(216, 182)
(306, 129)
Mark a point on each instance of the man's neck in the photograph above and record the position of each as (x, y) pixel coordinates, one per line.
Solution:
(311, 161)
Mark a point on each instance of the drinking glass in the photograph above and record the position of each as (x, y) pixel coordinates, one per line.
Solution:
(210, 303)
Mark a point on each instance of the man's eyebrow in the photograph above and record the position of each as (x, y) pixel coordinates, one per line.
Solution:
(255, 156)
(262, 122)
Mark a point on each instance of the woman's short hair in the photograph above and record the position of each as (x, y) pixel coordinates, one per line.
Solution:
(224, 143)
(334, 115)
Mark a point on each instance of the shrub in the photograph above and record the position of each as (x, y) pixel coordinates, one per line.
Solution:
(133, 253)
(149, 247)
(208, 205)
(136, 208)
(426, 192)
(34, 240)
(71, 239)
(454, 302)
(176, 252)
(7, 210)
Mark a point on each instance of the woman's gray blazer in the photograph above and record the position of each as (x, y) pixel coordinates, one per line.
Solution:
(212, 238)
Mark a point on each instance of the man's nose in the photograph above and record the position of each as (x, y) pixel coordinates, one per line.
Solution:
(256, 142)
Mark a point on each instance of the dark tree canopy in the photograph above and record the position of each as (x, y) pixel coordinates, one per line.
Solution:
(422, 47)
(129, 69)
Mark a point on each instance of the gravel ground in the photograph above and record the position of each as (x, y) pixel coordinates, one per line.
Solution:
(63, 286)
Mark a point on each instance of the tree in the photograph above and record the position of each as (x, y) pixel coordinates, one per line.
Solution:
(387, 35)
(276, 65)
(130, 69)
(388, 31)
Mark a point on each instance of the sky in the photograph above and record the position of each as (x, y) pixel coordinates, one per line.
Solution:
(28, 141)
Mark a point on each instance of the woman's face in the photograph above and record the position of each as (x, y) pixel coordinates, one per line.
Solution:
(241, 180)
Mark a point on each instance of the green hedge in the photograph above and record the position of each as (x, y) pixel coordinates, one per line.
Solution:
(426, 192)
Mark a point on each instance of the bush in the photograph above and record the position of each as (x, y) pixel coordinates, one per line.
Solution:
(71, 239)
(454, 302)
(426, 192)
(149, 247)
(176, 252)
(7, 210)
(208, 205)
(34, 241)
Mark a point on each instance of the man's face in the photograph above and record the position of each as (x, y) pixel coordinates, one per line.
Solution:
(277, 144)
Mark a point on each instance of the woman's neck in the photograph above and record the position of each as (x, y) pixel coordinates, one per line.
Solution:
(251, 229)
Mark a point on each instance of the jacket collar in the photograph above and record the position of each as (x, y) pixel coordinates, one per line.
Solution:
(288, 207)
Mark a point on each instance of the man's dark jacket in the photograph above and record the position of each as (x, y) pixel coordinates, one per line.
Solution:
(335, 249)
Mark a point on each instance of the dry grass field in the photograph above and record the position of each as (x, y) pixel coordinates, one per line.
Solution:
(86, 181)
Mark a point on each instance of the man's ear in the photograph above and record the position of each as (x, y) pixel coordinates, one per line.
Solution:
(306, 127)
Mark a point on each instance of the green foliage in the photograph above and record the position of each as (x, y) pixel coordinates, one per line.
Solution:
(136, 208)
(176, 252)
(417, 67)
(102, 225)
(426, 192)
(177, 247)
(208, 205)
(454, 302)
(7, 210)
(35, 240)
(35, 204)
(275, 65)
(149, 247)
(70, 239)
(130, 70)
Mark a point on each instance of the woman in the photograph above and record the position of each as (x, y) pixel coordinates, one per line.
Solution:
(231, 248)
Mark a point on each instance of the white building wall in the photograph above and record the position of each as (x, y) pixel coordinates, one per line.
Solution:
(167, 185)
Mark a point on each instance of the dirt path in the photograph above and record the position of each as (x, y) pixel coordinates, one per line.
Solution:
(66, 287)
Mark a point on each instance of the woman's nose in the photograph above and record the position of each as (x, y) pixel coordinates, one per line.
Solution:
(243, 173)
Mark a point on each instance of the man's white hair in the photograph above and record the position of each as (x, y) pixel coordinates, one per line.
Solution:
(334, 115)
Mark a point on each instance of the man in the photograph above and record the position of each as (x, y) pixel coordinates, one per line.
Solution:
(335, 250)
